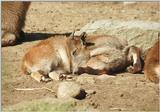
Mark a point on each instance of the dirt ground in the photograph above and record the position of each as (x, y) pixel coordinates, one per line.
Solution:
(123, 92)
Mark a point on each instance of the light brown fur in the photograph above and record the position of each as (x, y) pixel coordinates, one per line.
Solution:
(13, 19)
(106, 55)
(110, 55)
(55, 54)
(152, 64)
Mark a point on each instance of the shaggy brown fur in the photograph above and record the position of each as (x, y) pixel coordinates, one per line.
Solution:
(110, 55)
(13, 18)
(152, 64)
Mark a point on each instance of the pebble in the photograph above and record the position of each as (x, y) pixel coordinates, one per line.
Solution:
(105, 77)
(70, 89)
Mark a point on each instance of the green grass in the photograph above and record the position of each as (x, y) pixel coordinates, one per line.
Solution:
(50, 105)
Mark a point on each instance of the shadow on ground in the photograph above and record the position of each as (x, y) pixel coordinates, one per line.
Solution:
(28, 37)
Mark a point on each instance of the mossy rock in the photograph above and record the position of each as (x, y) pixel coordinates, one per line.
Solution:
(142, 34)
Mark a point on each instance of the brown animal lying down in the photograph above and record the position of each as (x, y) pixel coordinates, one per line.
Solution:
(109, 55)
(152, 64)
(93, 55)
(60, 54)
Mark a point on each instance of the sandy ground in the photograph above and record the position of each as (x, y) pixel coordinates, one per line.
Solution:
(123, 92)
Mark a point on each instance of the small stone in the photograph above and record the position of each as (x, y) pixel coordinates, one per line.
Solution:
(70, 89)
(85, 79)
(105, 77)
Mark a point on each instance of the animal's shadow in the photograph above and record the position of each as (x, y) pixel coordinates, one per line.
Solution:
(28, 37)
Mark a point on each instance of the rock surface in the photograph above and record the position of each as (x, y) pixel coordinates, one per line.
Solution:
(69, 89)
(143, 34)
(105, 77)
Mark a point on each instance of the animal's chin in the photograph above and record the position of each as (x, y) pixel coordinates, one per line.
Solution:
(76, 66)
(74, 70)
(79, 71)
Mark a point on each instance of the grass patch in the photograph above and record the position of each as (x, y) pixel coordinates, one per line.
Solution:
(43, 105)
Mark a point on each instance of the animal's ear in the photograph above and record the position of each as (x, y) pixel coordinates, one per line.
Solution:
(72, 34)
(83, 38)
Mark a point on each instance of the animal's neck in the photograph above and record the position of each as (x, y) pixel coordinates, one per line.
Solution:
(65, 58)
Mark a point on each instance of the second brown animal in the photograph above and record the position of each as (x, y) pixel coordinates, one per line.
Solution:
(152, 63)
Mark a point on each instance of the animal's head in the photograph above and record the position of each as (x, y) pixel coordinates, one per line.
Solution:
(79, 51)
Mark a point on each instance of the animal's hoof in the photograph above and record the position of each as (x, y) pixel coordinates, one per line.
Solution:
(8, 39)
(37, 76)
(44, 79)
(131, 69)
(134, 69)
(65, 77)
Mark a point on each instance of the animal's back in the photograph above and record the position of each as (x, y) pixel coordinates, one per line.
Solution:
(106, 40)
(43, 54)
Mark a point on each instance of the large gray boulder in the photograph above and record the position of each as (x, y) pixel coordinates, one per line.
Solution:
(142, 34)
